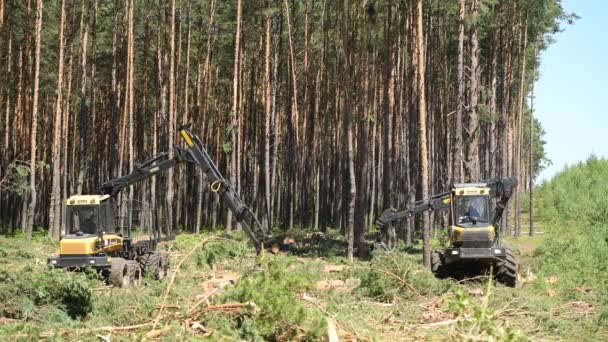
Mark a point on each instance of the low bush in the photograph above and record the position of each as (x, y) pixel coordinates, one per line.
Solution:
(392, 275)
(23, 292)
(277, 314)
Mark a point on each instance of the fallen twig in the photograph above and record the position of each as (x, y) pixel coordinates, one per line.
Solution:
(204, 300)
(335, 321)
(437, 324)
(232, 306)
(109, 329)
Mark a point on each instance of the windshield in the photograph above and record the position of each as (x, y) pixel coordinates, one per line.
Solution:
(468, 207)
(82, 218)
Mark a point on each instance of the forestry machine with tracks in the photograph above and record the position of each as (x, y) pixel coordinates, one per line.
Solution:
(475, 210)
(93, 238)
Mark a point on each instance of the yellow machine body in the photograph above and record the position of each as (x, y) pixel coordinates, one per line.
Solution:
(460, 234)
(88, 245)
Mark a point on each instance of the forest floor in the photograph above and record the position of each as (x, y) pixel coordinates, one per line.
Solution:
(218, 290)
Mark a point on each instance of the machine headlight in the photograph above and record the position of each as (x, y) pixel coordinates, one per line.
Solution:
(454, 252)
(54, 262)
(497, 251)
(92, 261)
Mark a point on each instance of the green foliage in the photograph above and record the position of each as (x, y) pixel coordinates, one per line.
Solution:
(574, 205)
(397, 275)
(476, 320)
(279, 314)
(576, 194)
(217, 251)
(24, 292)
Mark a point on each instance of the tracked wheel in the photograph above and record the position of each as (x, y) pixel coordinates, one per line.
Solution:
(438, 265)
(119, 273)
(155, 264)
(508, 270)
(135, 273)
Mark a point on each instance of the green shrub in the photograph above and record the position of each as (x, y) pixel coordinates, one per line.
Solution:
(23, 292)
(279, 315)
(397, 275)
(476, 321)
(217, 251)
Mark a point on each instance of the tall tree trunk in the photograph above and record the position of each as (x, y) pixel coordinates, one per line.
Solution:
(268, 112)
(32, 193)
(531, 148)
(235, 107)
(55, 209)
(204, 109)
(347, 87)
(388, 119)
(129, 87)
(172, 114)
(83, 115)
(518, 131)
(472, 164)
(457, 147)
(424, 180)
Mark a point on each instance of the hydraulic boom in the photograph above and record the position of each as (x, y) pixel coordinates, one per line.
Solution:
(196, 154)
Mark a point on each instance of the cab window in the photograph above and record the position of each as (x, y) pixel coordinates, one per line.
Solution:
(82, 218)
(469, 208)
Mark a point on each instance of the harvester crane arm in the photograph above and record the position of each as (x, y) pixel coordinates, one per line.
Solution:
(194, 153)
(145, 170)
(436, 202)
(502, 189)
(256, 232)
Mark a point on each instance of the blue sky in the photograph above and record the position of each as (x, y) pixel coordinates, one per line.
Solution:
(571, 94)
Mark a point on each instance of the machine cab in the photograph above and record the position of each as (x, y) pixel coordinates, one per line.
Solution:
(471, 215)
(89, 215)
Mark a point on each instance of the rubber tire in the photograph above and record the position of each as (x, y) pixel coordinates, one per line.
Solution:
(119, 273)
(508, 269)
(135, 273)
(154, 263)
(438, 266)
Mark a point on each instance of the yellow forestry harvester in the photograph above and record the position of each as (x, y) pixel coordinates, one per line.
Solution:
(94, 240)
(475, 245)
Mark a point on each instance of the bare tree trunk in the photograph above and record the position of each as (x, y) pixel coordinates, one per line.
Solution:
(457, 147)
(203, 108)
(65, 164)
(183, 205)
(518, 131)
(531, 151)
(268, 110)
(388, 111)
(472, 164)
(170, 190)
(129, 86)
(347, 87)
(420, 68)
(83, 117)
(55, 209)
(235, 107)
(32, 193)
(7, 128)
